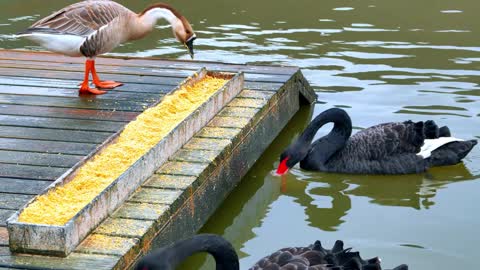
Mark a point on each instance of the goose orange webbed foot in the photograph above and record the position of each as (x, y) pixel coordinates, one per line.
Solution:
(107, 84)
(86, 90)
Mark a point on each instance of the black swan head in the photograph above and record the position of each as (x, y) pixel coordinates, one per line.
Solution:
(328, 144)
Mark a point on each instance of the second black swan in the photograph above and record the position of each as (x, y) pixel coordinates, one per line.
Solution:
(313, 257)
(389, 148)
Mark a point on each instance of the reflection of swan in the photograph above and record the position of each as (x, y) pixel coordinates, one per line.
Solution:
(408, 190)
(390, 148)
(325, 218)
(313, 257)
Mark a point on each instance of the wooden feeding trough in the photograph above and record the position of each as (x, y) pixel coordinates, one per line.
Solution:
(61, 240)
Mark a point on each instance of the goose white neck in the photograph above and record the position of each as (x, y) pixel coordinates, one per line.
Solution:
(153, 15)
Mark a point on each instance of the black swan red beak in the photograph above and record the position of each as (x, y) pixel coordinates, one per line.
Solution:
(282, 167)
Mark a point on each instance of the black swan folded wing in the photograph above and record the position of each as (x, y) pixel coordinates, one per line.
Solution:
(387, 140)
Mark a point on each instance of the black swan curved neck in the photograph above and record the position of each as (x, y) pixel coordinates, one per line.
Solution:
(342, 124)
(333, 141)
(170, 257)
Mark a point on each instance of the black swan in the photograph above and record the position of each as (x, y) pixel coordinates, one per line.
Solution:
(314, 257)
(389, 148)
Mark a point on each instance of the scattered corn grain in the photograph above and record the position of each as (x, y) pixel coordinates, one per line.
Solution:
(62, 203)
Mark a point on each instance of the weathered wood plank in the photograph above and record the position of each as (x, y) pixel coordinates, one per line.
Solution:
(239, 112)
(22, 186)
(76, 261)
(198, 156)
(39, 159)
(146, 62)
(106, 245)
(73, 93)
(3, 236)
(207, 143)
(147, 211)
(59, 123)
(71, 75)
(46, 146)
(54, 112)
(138, 70)
(73, 84)
(123, 227)
(78, 136)
(156, 196)
(218, 133)
(13, 201)
(183, 168)
(83, 102)
(4, 215)
(165, 181)
(30, 172)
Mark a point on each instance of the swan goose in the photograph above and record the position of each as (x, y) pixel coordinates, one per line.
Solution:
(93, 27)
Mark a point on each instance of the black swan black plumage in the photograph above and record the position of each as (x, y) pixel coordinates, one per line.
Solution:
(390, 148)
(314, 257)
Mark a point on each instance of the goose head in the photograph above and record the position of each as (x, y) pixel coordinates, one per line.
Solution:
(182, 30)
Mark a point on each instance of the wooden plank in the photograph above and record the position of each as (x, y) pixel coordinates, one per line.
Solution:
(76, 261)
(55, 112)
(32, 57)
(13, 201)
(73, 84)
(135, 71)
(106, 245)
(73, 93)
(3, 236)
(39, 159)
(59, 123)
(83, 102)
(4, 215)
(78, 136)
(72, 75)
(22, 186)
(151, 71)
(46, 146)
(30, 172)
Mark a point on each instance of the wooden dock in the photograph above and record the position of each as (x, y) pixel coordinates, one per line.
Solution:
(46, 128)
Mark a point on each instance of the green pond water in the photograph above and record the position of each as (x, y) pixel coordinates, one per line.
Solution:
(381, 61)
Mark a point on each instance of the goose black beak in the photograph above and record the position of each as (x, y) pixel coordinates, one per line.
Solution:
(189, 45)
